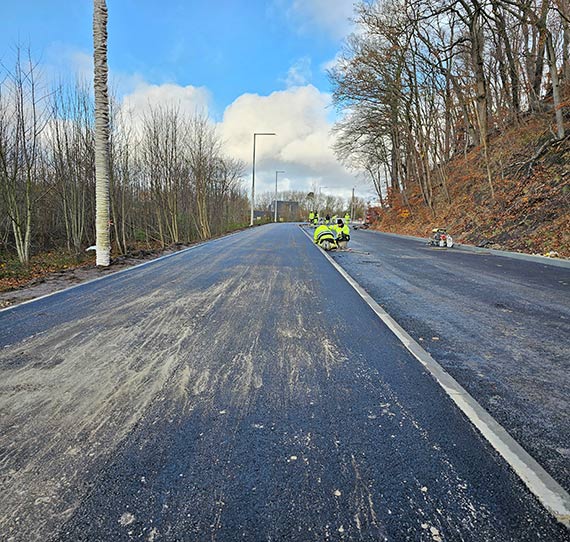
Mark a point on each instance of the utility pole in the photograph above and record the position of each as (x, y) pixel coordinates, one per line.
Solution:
(352, 207)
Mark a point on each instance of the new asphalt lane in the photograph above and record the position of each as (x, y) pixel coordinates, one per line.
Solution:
(500, 326)
(240, 390)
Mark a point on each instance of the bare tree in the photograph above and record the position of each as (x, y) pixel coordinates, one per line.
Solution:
(72, 160)
(423, 80)
(23, 116)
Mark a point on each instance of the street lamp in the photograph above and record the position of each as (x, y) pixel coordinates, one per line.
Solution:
(276, 173)
(320, 188)
(253, 173)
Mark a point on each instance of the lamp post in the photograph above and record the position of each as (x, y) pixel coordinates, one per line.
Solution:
(253, 173)
(276, 173)
(320, 188)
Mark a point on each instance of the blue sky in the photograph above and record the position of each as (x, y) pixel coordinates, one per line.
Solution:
(234, 57)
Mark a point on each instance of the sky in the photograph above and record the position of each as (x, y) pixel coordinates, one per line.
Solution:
(252, 65)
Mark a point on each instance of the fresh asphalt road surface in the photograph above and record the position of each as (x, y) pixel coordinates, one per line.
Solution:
(500, 326)
(241, 390)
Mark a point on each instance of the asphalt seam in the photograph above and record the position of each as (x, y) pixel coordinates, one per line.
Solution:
(547, 490)
(115, 273)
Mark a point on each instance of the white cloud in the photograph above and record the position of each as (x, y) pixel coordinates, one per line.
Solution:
(299, 73)
(302, 146)
(332, 17)
(330, 64)
(62, 60)
(188, 99)
(298, 115)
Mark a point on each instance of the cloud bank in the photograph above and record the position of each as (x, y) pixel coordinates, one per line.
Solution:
(299, 117)
(302, 146)
(189, 99)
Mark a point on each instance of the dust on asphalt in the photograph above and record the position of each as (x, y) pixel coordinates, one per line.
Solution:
(229, 392)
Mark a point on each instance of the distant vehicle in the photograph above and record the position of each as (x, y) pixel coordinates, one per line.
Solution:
(440, 238)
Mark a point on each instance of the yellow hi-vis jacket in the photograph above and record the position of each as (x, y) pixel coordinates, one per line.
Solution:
(342, 232)
(323, 233)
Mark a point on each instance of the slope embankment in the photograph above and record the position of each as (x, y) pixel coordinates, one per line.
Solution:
(518, 198)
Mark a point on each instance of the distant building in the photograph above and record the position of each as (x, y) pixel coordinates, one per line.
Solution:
(286, 210)
(259, 215)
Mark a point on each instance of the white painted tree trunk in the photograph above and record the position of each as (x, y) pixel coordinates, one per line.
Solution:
(102, 228)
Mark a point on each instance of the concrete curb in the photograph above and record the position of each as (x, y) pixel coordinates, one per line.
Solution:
(548, 491)
(555, 262)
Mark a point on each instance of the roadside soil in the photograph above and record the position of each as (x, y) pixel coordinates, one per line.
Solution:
(62, 279)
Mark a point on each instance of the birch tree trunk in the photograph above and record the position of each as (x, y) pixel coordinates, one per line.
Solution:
(102, 229)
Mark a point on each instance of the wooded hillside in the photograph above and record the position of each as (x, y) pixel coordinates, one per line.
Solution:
(457, 113)
(531, 208)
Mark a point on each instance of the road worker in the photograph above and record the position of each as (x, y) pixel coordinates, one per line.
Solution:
(316, 219)
(311, 217)
(324, 237)
(342, 233)
(347, 217)
(327, 219)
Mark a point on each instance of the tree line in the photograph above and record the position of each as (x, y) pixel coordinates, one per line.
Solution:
(422, 81)
(170, 181)
(313, 201)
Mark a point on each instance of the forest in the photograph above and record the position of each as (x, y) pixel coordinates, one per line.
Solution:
(456, 113)
(170, 181)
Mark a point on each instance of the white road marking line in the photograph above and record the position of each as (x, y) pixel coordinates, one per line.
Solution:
(548, 491)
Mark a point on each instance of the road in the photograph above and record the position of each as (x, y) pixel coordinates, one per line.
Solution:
(238, 390)
(500, 326)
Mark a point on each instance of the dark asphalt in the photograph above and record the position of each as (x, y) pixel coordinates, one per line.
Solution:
(241, 390)
(501, 328)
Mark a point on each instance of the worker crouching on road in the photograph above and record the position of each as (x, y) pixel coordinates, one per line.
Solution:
(324, 237)
(342, 232)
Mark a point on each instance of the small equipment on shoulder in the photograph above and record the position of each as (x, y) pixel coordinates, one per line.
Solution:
(440, 238)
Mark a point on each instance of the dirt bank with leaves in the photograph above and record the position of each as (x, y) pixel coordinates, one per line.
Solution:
(527, 210)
